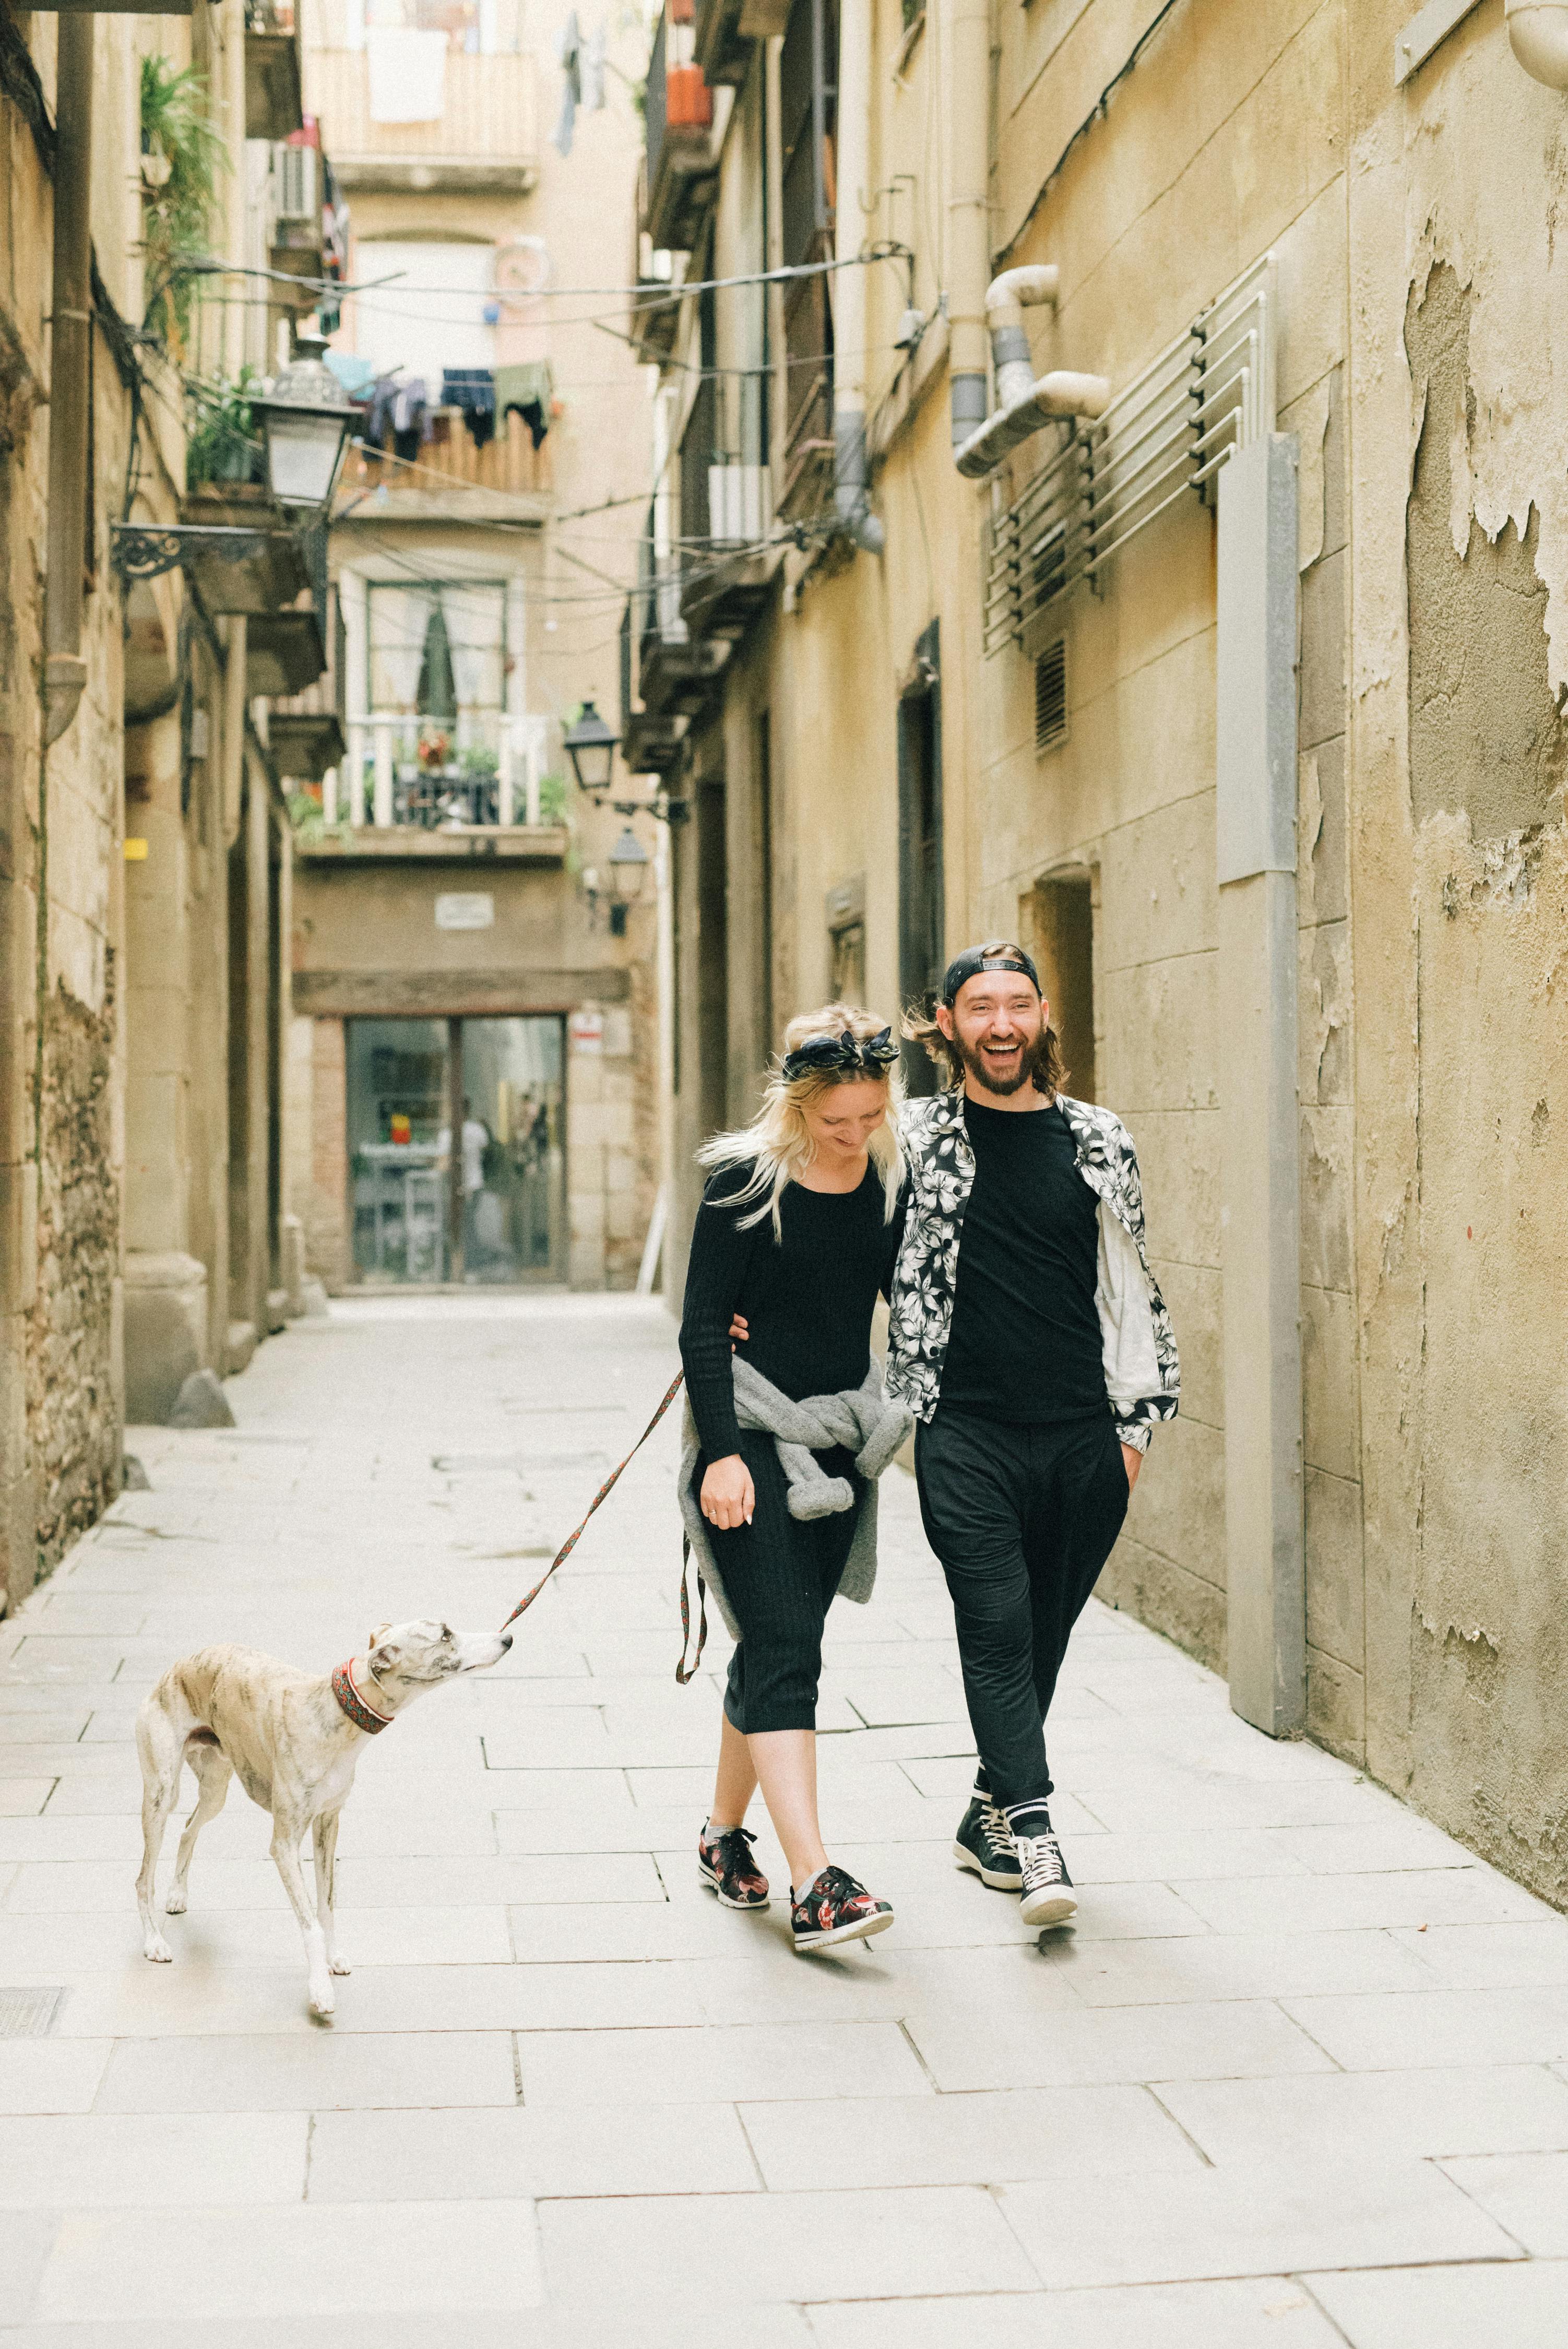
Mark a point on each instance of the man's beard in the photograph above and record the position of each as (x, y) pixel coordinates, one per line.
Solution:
(1030, 1069)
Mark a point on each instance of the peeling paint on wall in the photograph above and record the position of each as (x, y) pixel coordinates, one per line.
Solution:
(1486, 730)
(73, 1424)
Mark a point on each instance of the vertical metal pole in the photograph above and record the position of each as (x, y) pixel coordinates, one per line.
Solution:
(70, 332)
(1260, 1214)
(455, 1152)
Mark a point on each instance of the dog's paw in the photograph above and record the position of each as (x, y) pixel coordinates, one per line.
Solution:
(323, 2005)
(156, 1948)
(175, 1904)
(341, 1966)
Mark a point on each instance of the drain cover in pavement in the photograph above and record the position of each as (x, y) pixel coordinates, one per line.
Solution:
(29, 2013)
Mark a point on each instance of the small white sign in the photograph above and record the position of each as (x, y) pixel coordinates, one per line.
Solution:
(586, 1029)
(465, 909)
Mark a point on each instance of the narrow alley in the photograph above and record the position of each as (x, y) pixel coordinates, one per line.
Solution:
(1300, 2076)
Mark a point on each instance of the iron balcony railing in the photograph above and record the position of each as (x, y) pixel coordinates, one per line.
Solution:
(1209, 392)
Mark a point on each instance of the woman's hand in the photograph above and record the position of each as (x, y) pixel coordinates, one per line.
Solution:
(740, 1330)
(728, 1496)
(1131, 1460)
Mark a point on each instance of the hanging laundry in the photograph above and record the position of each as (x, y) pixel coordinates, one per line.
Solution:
(591, 70)
(410, 417)
(529, 389)
(472, 389)
(355, 375)
(569, 56)
(378, 421)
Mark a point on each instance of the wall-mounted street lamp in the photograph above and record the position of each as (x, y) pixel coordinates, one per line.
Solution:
(304, 417)
(629, 863)
(590, 745)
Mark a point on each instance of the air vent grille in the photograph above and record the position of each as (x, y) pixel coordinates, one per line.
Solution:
(1051, 697)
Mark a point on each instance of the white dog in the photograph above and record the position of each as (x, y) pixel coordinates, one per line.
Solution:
(293, 1738)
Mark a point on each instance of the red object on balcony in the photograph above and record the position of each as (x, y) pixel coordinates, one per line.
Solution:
(682, 12)
(688, 101)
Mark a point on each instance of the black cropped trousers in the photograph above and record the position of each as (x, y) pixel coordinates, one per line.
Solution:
(781, 1577)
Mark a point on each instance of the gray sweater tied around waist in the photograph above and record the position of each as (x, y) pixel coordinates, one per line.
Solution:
(863, 1419)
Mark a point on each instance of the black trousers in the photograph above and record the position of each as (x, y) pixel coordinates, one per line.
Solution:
(781, 1577)
(1022, 1520)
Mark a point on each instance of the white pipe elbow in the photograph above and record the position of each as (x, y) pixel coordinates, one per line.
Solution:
(1538, 35)
(1006, 297)
(1018, 289)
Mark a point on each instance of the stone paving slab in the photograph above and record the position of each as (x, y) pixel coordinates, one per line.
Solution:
(1300, 2076)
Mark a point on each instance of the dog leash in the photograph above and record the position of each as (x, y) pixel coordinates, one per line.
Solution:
(683, 1670)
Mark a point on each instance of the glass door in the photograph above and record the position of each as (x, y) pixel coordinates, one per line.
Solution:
(493, 1213)
(514, 1134)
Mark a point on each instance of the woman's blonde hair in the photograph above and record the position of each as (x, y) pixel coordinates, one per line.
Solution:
(776, 1146)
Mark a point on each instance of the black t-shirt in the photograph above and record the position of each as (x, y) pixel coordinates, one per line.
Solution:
(1025, 1345)
(808, 1297)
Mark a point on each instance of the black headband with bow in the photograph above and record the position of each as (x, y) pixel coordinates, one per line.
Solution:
(868, 1056)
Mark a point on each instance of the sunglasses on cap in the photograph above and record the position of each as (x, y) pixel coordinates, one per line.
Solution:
(819, 1054)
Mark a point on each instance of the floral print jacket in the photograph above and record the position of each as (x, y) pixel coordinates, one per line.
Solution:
(1142, 1375)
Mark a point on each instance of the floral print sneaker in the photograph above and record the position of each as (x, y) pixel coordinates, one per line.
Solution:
(725, 1861)
(836, 1908)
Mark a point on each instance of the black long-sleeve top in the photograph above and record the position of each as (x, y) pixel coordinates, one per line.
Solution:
(807, 1296)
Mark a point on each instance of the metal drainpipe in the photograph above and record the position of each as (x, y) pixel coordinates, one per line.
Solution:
(850, 497)
(64, 670)
(968, 62)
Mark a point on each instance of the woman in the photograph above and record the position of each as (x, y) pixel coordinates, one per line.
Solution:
(798, 1232)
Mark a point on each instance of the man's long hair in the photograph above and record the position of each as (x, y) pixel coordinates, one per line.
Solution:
(777, 1143)
(919, 1028)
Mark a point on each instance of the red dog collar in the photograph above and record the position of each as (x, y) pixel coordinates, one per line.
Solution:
(358, 1708)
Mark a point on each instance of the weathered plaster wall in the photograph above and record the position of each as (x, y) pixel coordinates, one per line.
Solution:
(1459, 538)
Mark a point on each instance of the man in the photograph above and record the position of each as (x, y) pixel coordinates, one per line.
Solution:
(1027, 1335)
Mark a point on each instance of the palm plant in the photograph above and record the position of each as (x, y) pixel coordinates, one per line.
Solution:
(186, 153)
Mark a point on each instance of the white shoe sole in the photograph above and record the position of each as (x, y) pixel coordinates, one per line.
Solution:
(746, 1907)
(1047, 1908)
(991, 1876)
(860, 1932)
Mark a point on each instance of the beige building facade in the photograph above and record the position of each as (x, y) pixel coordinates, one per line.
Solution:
(461, 934)
(1233, 684)
(144, 889)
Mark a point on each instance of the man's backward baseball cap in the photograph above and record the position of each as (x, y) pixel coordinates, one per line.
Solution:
(976, 959)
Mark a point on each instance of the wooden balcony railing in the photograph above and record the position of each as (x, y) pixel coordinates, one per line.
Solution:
(449, 462)
(486, 138)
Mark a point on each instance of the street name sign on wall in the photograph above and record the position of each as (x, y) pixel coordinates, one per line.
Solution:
(465, 909)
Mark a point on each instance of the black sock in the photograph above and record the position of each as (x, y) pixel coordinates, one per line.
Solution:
(982, 1783)
(1031, 1818)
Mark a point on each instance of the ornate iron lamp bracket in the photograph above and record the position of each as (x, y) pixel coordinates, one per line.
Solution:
(147, 550)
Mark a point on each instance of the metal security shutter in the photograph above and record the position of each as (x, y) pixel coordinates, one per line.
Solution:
(1051, 697)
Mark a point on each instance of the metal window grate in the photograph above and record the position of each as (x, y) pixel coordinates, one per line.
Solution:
(1211, 392)
(1051, 697)
(29, 2013)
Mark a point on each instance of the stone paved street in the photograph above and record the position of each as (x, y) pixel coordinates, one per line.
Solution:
(1300, 2077)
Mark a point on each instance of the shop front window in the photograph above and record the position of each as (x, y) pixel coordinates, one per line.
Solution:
(493, 1213)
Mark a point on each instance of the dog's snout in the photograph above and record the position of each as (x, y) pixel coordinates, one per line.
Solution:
(505, 1641)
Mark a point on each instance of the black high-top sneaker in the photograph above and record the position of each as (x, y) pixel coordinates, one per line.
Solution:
(725, 1861)
(985, 1842)
(1047, 1895)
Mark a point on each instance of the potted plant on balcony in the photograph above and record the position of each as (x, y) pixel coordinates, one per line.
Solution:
(183, 154)
(222, 445)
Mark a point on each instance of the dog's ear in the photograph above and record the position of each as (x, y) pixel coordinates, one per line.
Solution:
(377, 1635)
(384, 1653)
